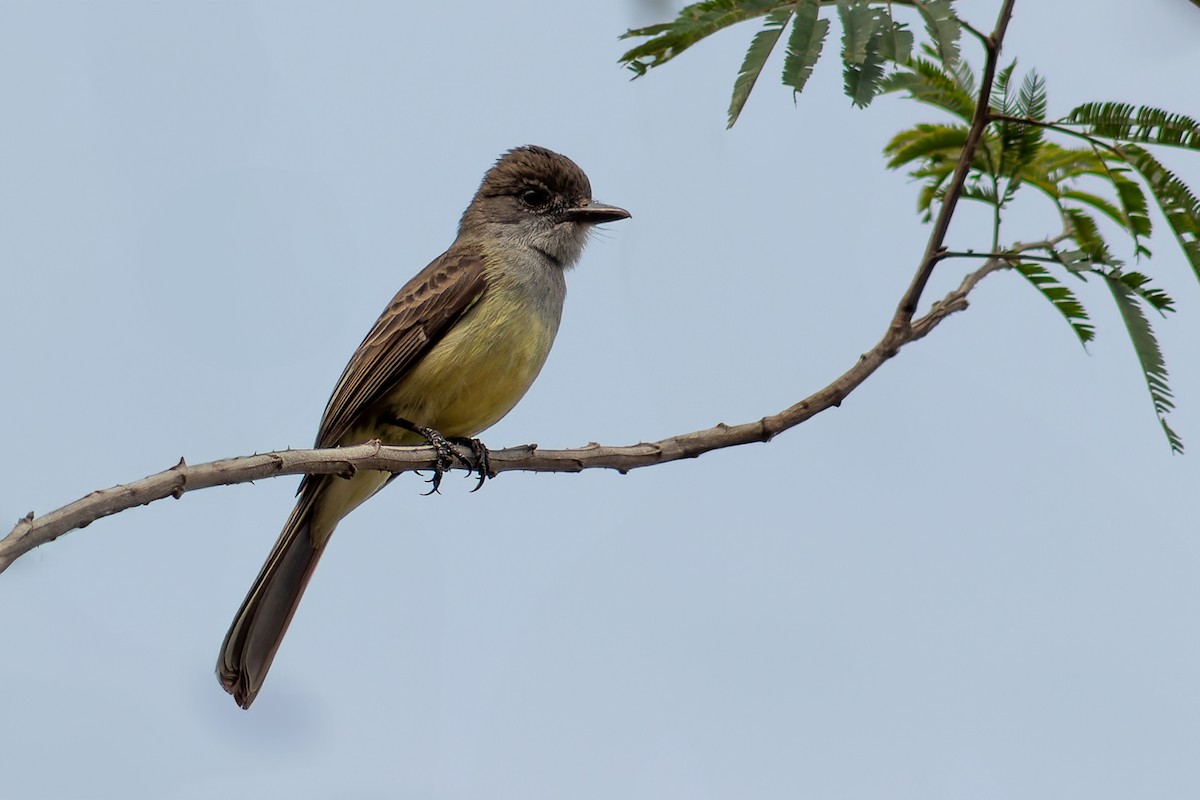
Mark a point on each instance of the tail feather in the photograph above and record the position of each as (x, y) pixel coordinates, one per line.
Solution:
(261, 622)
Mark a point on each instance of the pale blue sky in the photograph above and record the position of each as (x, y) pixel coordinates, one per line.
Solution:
(978, 578)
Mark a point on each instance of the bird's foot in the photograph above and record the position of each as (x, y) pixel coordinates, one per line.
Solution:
(447, 455)
(482, 466)
(444, 459)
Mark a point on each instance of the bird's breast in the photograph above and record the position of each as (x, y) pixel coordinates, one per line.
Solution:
(483, 365)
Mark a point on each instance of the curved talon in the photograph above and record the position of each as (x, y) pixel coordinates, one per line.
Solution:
(436, 480)
(481, 466)
(445, 457)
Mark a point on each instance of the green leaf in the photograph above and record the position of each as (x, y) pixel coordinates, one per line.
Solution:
(1031, 102)
(943, 27)
(862, 80)
(804, 44)
(1139, 285)
(1149, 354)
(1020, 143)
(1063, 300)
(1142, 124)
(864, 50)
(981, 192)
(1060, 163)
(925, 141)
(1095, 201)
(964, 76)
(694, 22)
(934, 187)
(999, 101)
(927, 82)
(859, 25)
(1086, 234)
(895, 40)
(1040, 182)
(1075, 260)
(1133, 204)
(1178, 205)
(756, 58)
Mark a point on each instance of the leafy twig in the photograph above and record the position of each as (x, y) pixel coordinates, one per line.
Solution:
(941, 225)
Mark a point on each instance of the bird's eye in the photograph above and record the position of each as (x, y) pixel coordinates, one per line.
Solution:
(535, 198)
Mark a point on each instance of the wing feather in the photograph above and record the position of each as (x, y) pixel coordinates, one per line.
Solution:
(417, 318)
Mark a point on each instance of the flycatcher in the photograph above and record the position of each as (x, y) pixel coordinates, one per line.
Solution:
(454, 351)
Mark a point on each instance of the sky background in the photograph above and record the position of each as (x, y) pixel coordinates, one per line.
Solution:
(980, 577)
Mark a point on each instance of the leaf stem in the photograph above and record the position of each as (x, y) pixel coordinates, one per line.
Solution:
(1058, 127)
(1007, 255)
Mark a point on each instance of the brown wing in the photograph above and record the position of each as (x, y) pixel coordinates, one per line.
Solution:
(417, 318)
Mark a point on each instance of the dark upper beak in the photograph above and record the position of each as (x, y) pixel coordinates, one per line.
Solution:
(594, 213)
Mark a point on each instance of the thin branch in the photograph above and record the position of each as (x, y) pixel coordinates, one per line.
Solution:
(31, 531)
(1004, 255)
(996, 213)
(941, 225)
(957, 300)
(1018, 251)
(978, 34)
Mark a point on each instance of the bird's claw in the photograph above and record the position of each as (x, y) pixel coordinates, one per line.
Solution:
(482, 466)
(444, 459)
(447, 455)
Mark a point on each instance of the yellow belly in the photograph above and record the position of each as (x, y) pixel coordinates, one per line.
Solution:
(464, 385)
(478, 372)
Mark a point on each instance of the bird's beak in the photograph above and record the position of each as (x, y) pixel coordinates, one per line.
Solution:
(594, 213)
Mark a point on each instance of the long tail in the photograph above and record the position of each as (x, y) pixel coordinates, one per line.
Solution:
(258, 628)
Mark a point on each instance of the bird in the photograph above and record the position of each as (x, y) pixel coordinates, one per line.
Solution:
(455, 349)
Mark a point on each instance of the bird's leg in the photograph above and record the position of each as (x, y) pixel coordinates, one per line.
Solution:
(447, 454)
